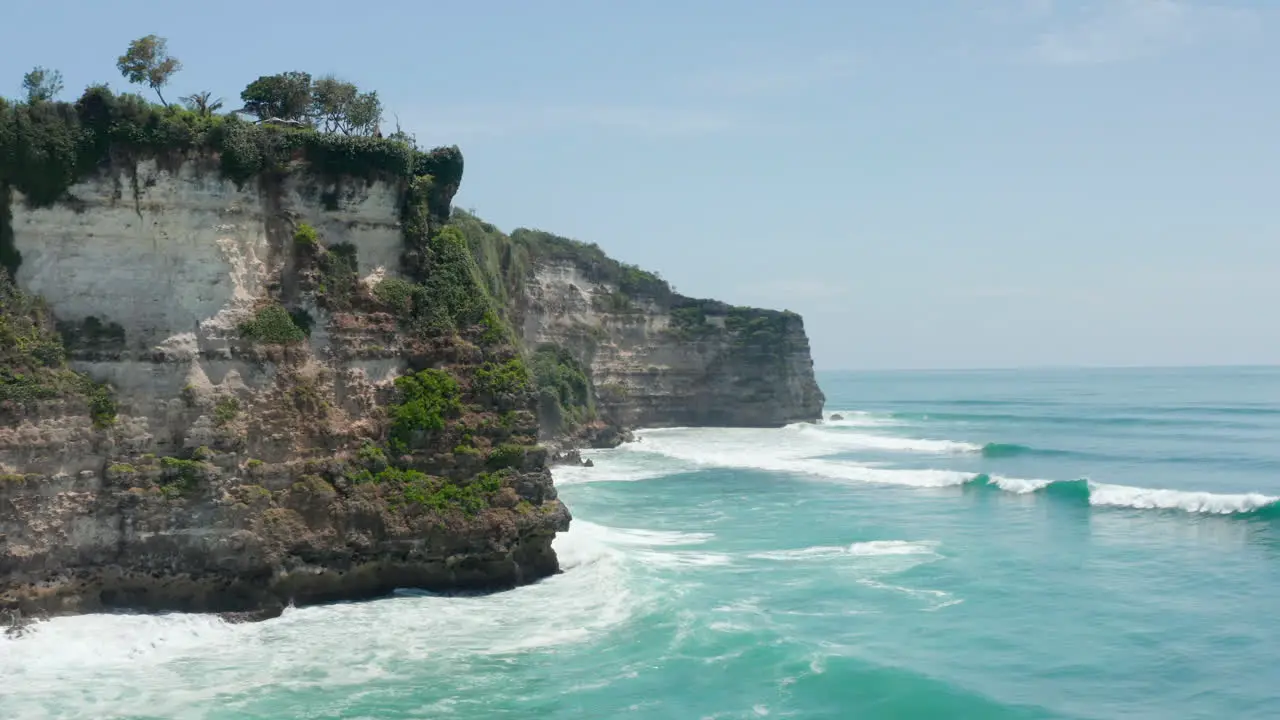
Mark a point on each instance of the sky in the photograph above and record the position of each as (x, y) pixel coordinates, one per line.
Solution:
(930, 183)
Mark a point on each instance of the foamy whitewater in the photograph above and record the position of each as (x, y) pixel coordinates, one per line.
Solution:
(1067, 544)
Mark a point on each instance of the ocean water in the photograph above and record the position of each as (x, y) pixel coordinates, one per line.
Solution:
(989, 545)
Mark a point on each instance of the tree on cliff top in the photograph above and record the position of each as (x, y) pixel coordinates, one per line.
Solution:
(286, 96)
(147, 62)
(340, 107)
(41, 85)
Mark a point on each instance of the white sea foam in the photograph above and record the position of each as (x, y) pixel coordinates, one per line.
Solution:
(935, 599)
(857, 418)
(893, 547)
(103, 665)
(872, 548)
(610, 465)
(797, 450)
(1140, 498)
(1018, 486)
(635, 537)
(805, 449)
(1162, 499)
(682, 559)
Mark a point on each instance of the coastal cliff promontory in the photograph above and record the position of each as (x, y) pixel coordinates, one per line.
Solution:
(655, 358)
(250, 364)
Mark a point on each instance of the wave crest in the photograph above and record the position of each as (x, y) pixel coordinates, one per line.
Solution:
(1136, 498)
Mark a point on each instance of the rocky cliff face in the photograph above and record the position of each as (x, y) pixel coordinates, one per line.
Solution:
(652, 357)
(269, 368)
(241, 464)
(666, 360)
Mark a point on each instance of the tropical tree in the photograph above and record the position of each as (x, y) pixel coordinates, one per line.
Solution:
(147, 62)
(202, 103)
(42, 85)
(286, 96)
(339, 106)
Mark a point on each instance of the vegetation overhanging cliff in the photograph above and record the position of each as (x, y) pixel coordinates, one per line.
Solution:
(246, 364)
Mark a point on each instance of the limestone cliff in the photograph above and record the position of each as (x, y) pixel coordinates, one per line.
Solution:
(245, 365)
(655, 358)
(228, 396)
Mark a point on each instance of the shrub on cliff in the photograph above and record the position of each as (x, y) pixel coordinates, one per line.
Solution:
(272, 325)
(450, 294)
(453, 296)
(507, 455)
(33, 360)
(183, 476)
(564, 388)
(396, 294)
(339, 276)
(508, 378)
(306, 236)
(428, 397)
(442, 495)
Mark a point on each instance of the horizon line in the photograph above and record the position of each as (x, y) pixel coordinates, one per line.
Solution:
(1015, 368)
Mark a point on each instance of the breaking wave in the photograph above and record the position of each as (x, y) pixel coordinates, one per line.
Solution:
(806, 450)
(1137, 498)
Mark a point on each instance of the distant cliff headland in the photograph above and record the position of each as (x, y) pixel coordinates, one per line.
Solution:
(251, 358)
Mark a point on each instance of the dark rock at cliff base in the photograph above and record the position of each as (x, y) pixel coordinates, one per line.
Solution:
(569, 457)
(265, 613)
(246, 553)
(609, 436)
(15, 624)
(837, 416)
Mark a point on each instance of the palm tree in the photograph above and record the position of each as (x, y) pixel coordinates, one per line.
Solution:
(201, 103)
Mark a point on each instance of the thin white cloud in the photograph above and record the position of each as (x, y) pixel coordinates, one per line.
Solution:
(1110, 31)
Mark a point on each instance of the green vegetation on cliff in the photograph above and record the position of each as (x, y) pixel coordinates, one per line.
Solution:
(566, 398)
(428, 398)
(272, 325)
(45, 147)
(33, 364)
(564, 388)
(507, 260)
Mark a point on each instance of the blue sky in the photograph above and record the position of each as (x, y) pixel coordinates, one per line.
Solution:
(931, 183)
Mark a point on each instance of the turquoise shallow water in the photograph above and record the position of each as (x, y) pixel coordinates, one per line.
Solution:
(938, 553)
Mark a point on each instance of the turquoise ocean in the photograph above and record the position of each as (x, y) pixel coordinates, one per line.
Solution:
(988, 545)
